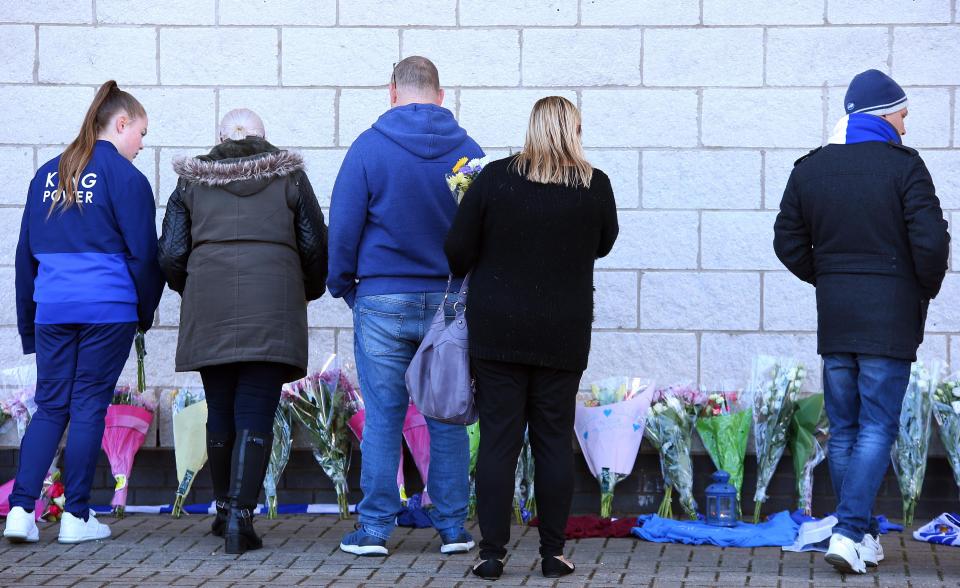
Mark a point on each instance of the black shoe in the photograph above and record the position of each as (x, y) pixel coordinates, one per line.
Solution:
(219, 457)
(554, 567)
(488, 569)
(219, 524)
(249, 453)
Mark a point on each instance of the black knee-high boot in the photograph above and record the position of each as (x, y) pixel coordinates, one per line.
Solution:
(219, 458)
(251, 453)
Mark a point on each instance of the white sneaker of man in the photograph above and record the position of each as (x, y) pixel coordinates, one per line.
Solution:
(871, 551)
(844, 554)
(21, 526)
(76, 530)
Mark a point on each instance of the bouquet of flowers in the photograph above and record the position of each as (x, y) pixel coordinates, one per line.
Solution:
(775, 384)
(805, 447)
(462, 175)
(279, 455)
(724, 428)
(324, 403)
(127, 422)
(17, 391)
(524, 498)
(609, 425)
(669, 428)
(52, 496)
(189, 440)
(473, 433)
(946, 409)
(417, 437)
(909, 452)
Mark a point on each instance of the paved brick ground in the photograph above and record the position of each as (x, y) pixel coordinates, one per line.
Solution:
(302, 551)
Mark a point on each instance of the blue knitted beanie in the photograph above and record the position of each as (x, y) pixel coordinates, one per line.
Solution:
(874, 92)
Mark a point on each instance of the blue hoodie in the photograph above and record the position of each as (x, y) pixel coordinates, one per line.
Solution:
(92, 263)
(391, 207)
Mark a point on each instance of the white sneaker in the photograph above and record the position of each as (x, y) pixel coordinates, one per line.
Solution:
(76, 530)
(871, 551)
(844, 554)
(21, 526)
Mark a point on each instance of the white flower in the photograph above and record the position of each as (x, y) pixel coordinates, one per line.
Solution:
(956, 406)
(675, 404)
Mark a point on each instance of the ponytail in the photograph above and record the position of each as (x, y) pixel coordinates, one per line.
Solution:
(110, 100)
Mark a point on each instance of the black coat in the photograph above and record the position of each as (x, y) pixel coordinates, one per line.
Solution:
(531, 248)
(863, 224)
(245, 244)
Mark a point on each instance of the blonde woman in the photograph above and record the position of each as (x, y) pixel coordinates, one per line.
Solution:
(529, 230)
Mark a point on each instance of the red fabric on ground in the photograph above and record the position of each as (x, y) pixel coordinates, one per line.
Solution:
(587, 526)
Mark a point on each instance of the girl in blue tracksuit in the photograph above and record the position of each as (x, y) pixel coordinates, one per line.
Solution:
(86, 276)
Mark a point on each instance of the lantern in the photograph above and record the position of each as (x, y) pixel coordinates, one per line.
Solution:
(721, 501)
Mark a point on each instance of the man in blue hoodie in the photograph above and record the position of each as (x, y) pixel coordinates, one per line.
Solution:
(390, 213)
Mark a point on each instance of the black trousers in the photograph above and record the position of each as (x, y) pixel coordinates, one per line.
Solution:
(510, 397)
(242, 396)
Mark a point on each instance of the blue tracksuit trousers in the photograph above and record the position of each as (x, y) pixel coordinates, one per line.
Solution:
(77, 371)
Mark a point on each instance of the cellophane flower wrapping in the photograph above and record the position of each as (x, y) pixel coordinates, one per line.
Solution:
(609, 426)
(18, 386)
(909, 453)
(464, 172)
(473, 434)
(279, 454)
(775, 386)
(946, 410)
(126, 425)
(189, 410)
(524, 497)
(670, 423)
(324, 402)
(806, 427)
(724, 428)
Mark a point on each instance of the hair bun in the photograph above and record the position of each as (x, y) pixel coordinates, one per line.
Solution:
(241, 123)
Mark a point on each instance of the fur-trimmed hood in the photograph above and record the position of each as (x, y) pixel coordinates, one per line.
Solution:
(252, 160)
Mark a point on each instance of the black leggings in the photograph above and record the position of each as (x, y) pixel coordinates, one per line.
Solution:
(510, 397)
(243, 396)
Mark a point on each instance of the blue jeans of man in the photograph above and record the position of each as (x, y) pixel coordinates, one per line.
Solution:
(862, 395)
(388, 330)
(77, 371)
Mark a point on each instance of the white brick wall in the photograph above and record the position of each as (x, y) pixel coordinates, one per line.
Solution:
(696, 109)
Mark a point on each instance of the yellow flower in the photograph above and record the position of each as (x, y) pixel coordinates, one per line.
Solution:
(460, 163)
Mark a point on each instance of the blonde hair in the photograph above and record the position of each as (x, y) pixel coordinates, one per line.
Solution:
(552, 152)
(241, 123)
(109, 101)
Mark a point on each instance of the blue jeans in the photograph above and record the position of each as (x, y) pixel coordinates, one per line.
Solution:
(388, 330)
(863, 395)
(77, 371)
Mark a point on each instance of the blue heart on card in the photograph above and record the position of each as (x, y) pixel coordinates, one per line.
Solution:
(585, 434)
(607, 411)
(636, 427)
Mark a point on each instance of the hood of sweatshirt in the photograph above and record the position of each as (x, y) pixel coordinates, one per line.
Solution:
(425, 130)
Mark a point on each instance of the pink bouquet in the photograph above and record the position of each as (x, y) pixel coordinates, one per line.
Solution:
(127, 422)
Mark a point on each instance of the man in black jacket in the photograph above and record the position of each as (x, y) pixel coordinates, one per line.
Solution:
(860, 220)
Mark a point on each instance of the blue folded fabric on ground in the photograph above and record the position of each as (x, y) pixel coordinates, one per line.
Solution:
(883, 523)
(779, 530)
(413, 514)
(944, 530)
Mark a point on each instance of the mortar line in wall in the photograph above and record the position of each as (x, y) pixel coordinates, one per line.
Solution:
(93, 11)
(216, 12)
(336, 118)
(579, 13)
(763, 79)
(890, 34)
(336, 17)
(36, 54)
(701, 12)
(280, 56)
(457, 13)
(760, 328)
(763, 179)
(520, 57)
(825, 12)
(437, 27)
(156, 38)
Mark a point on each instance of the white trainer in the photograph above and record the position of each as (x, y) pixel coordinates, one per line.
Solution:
(871, 551)
(844, 554)
(21, 526)
(77, 530)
